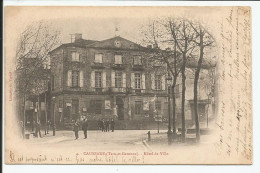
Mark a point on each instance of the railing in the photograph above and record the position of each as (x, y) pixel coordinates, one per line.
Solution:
(118, 90)
(118, 66)
(138, 67)
(97, 65)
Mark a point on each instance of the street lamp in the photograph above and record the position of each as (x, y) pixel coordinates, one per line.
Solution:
(54, 125)
(169, 81)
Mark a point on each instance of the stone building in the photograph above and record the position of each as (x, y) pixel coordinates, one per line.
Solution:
(106, 79)
(114, 78)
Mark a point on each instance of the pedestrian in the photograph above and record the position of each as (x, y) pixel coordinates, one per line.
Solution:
(38, 129)
(85, 128)
(103, 125)
(112, 125)
(99, 124)
(107, 125)
(76, 129)
(48, 126)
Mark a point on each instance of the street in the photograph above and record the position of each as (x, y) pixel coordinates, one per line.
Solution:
(97, 140)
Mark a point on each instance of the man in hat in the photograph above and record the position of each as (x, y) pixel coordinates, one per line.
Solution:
(85, 128)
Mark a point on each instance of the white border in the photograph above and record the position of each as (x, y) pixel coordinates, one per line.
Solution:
(166, 168)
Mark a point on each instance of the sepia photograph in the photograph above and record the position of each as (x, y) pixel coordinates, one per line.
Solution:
(128, 85)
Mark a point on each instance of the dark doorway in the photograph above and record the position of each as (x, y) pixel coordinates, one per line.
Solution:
(201, 112)
(120, 108)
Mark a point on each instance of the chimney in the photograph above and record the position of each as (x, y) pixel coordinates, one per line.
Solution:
(78, 36)
(155, 46)
(149, 46)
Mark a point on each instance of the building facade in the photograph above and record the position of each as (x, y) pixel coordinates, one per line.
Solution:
(114, 78)
(106, 79)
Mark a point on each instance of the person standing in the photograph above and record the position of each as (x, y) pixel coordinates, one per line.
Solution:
(85, 128)
(76, 129)
(103, 125)
(38, 129)
(48, 126)
(112, 125)
(107, 125)
(99, 124)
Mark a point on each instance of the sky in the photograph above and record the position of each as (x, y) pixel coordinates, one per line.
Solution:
(100, 29)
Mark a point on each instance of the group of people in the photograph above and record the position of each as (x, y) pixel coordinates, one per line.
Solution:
(106, 125)
(84, 125)
(103, 125)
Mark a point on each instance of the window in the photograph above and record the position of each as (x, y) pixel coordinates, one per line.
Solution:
(75, 78)
(158, 107)
(137, 80)
(158, 82)
(138, 107)
(98, 58)
(96, 106)
(98, 79)
(118, 79)
(137, 60)
(75, 56)
(118, 59)
(75, 106)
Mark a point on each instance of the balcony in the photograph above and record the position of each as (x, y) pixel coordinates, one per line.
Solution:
(97, 65)
(138, 91)
(138, 67)
(117, 90)
(118, 66)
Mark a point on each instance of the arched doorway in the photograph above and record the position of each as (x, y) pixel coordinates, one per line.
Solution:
(120, 108)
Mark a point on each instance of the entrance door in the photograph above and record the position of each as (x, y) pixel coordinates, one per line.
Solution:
(120, 108)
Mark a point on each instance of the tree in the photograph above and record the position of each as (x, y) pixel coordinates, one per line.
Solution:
(203, 40)
(183, 36)
(165, 51)
(33, 46)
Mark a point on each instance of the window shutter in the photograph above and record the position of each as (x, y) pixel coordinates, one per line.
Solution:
(153, 81)
(132, 80)
(69, 80)
(124, 80)
(81, 79)
(104, 79)
(93, 79)
(143, 81)
(163, 82)
(112, 79)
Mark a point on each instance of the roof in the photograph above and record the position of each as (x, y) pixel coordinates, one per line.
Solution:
(111, 43)
(116, 43)
(78, 43)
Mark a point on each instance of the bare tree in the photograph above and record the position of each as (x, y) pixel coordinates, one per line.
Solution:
(203, 40)
(165, 51)
(183, 36)
(33, 46)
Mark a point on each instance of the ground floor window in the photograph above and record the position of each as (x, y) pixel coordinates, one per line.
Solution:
(75, 106)
(95, 106)
(158, 107)
(138, 107)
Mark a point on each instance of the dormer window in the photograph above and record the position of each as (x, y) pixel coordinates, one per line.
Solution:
(137, 60)
(118, 59)
(75, 56)
(99, 58)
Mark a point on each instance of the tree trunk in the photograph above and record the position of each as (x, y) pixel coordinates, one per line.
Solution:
(46, 116)
(24, 100)
(196, 114)
(174, 108)
(39, 109)
(183, 130)
(196, 79)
